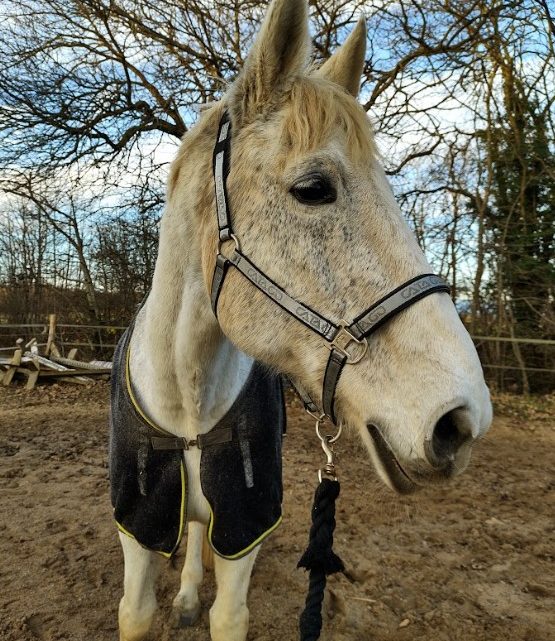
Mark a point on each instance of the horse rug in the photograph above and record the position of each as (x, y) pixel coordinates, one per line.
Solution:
(240, 468)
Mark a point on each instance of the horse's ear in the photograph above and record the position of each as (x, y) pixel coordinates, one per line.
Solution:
(280, 52)
(345, 66)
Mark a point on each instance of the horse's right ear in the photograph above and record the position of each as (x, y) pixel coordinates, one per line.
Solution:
(280, 52)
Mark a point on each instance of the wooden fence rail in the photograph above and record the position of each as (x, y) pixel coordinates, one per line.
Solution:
(509, 339)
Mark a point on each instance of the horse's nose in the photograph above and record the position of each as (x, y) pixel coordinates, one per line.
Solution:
(450, 434)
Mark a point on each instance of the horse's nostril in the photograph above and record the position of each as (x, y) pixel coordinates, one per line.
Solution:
(447, 438)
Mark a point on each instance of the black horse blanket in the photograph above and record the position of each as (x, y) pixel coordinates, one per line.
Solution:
(240, 467)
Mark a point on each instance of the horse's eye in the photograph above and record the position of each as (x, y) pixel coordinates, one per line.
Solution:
(314, 190)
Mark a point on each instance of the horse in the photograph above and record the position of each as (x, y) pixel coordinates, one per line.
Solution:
(316, 238)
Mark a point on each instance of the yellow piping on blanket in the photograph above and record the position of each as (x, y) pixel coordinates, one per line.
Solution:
(182, 464)
(249, 548)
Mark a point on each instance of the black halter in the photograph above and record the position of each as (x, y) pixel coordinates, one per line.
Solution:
(346, 341)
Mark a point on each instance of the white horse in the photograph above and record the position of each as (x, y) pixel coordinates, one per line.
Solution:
(312, 208)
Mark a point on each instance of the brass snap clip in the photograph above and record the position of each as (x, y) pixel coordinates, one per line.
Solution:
(327, 441)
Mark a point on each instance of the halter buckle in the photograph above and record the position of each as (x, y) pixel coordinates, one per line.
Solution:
(343, 339)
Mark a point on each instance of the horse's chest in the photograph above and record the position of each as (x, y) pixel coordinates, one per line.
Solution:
(198, 508)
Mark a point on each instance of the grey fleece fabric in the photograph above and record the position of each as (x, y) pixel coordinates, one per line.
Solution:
(241, 479)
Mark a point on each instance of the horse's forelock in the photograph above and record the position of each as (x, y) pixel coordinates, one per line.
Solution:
(314, 111)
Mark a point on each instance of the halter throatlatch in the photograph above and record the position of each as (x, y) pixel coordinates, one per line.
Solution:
(347, 342)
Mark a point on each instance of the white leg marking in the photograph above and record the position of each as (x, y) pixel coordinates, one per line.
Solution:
(138, 605)
(229, 616)
(186, 603)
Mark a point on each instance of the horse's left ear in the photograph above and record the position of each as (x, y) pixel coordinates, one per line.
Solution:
(345, 66)
(279, 54)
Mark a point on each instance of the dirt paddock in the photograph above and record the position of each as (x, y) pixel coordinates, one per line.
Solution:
(470, 562)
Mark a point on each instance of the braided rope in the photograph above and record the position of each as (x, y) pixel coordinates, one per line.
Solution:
(319, 557)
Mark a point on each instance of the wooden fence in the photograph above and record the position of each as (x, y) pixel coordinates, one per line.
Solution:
(510, 364)
(91, 340)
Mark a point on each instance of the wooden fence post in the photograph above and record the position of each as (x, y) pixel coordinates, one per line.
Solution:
(51, 333)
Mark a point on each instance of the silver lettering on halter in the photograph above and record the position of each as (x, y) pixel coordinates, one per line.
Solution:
(312, 320)
(372, 318)
(224, 131)
(221, 205)
(264, 284)
(416, 288)
(275, 293)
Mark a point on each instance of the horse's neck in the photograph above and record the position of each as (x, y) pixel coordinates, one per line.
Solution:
(185, 373)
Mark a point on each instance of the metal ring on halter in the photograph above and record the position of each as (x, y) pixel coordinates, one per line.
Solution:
(328, 438)
(232, 237)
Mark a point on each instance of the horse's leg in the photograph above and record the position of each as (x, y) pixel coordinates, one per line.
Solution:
(229, 616)
(138, 604)
(186, 604)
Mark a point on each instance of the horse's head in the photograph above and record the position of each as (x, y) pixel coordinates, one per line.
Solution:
(312, 208)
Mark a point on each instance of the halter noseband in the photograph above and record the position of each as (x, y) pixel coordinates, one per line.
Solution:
(346, 341)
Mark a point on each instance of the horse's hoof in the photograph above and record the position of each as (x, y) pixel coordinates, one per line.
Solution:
(185, 618)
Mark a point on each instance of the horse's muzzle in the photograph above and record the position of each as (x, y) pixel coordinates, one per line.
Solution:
(447, 454)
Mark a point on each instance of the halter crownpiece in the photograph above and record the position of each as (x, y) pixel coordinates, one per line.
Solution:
(347, 342)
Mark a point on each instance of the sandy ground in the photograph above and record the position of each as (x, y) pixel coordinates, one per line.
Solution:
(469, 562)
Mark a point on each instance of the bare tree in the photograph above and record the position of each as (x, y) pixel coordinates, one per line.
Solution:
(95, 95)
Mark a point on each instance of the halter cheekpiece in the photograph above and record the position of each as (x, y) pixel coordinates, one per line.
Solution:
(347, 342)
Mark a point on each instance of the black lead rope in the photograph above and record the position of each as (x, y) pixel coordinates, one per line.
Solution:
(319, 558)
